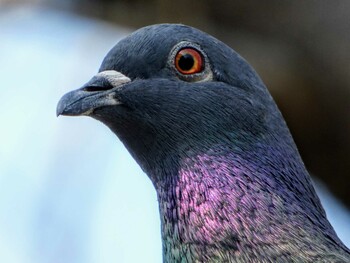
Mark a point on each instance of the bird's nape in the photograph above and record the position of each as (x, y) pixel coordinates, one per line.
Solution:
(199, 121)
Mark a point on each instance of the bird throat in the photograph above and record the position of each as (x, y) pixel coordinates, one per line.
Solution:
(219, 208)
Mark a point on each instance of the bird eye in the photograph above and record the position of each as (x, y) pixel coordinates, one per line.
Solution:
(189, 61)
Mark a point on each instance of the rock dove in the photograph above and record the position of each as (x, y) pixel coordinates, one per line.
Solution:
(197, 118)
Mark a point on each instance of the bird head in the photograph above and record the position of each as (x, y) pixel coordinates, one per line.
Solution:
(173, 93)
(170, 90)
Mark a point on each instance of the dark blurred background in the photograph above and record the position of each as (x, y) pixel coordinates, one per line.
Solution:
(301, 49)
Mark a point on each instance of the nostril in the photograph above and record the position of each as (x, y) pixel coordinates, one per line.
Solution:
(97, 83)
(98, 87)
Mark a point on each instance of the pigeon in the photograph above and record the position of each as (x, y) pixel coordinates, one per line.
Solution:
(197, 118)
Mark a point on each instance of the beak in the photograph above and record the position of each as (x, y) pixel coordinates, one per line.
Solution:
(100, 91)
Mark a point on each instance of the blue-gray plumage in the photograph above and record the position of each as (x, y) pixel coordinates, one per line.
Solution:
(201, 124)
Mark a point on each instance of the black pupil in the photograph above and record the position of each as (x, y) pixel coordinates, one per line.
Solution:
(186, 62)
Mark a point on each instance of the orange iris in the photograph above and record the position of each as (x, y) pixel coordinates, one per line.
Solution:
(188, 61)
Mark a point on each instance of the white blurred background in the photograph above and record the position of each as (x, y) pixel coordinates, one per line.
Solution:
(69, 191)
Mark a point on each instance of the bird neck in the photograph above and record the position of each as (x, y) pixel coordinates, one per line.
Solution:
(220, 206)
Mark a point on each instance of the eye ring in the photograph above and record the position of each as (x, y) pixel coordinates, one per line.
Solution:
(195, 68)
(188, 61)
